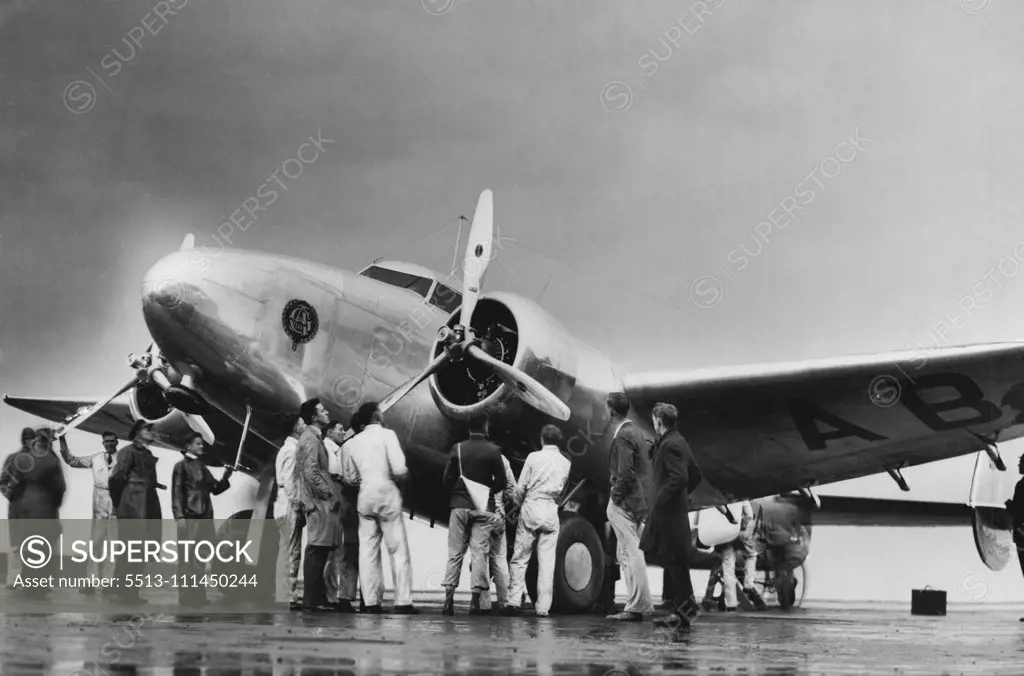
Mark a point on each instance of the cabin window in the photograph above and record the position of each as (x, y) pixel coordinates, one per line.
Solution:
(420, 285)
(445, 298)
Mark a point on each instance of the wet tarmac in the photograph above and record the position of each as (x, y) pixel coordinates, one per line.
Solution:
(816, 639)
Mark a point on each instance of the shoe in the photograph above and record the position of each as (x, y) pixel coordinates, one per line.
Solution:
(474, 604)
(706, 605)
(373, 610)
(511, 611)
(294, 605)
(449, 602)
(755, 598)
(405, 610)
(343, 606)
(730, 610)
(540, 613)
(672, 621)
(626, 616)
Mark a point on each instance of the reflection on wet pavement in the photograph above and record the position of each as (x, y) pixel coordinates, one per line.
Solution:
(825, 640)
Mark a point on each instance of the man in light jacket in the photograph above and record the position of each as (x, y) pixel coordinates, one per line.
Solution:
(540, 486)
(321, 505)
(291, 520)
(375, 462)
(103, 520)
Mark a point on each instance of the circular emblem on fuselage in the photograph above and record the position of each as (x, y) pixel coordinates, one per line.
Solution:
(300, 322)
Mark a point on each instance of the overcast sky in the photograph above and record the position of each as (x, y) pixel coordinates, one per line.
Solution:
(632, 152)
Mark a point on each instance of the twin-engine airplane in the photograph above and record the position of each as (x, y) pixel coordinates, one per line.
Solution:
(240, 339)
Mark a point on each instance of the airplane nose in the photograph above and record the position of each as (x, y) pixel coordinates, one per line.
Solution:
(165, 284)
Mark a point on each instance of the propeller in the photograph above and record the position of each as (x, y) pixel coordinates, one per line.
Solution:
(524, 386)
(478, 255)
(152, 367)
(405, 389)
(461, 342)
(96, 407)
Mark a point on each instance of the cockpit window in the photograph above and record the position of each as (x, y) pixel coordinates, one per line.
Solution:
(445, 298)
(420, 285)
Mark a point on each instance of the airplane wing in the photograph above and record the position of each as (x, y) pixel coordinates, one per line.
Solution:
(852, 511)
(115, 416)
(768, 429)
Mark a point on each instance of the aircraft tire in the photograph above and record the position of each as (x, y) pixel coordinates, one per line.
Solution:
(579, 566)
(785, 587)
(236, 526)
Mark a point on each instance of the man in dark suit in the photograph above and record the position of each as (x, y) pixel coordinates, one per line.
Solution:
(666, 537)
(133, 487)
(467, 525)
(192, 488)
(630, 469)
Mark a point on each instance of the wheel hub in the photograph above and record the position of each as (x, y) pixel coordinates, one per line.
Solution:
(578, 566)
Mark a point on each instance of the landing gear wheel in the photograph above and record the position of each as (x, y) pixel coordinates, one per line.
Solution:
(236, 527)
(790, 586)
(579, 566)
(785, 588)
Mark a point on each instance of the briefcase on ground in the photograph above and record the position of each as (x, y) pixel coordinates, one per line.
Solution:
(927, 601)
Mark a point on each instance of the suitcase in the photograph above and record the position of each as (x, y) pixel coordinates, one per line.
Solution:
(927, 601)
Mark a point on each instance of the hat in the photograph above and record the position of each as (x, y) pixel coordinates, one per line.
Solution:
(28, 434)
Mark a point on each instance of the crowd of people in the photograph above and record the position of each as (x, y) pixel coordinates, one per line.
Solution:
(344, 488)
(342, 491)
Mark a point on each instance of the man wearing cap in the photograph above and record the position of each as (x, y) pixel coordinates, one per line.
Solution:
(133, 488)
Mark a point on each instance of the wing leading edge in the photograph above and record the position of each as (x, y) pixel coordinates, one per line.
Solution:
(765, 429)
(114, 417)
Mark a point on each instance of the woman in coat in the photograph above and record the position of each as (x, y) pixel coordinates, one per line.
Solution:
(33, 481)
(666, 539)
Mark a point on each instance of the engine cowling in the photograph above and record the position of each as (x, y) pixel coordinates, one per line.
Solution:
(146, 401)
(993, 535)
(520, 333)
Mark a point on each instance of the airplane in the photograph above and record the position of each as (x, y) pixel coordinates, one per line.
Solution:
(240, 339)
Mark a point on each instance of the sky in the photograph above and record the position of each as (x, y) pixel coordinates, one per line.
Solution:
(633, 155)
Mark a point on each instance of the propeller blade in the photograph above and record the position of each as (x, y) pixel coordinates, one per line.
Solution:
(525, 387)
(200, 426)
(405, 389)
(478, 255)
(96, 407)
